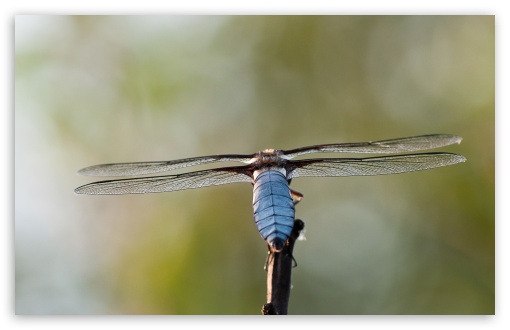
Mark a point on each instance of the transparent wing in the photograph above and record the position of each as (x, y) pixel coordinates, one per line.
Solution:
(407, 144)
(141, 168)
(166, 183)
(372, 165)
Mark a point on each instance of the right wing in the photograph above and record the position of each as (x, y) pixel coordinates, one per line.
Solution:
(407, 144)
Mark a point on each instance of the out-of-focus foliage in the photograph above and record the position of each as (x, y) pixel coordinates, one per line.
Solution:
(92, 90)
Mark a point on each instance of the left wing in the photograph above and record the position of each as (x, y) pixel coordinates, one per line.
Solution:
(157, 184)
(141, 168)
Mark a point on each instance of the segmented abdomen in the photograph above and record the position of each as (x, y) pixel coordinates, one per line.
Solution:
(273, 208)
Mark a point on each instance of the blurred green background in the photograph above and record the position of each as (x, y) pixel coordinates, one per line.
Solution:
(101, 89)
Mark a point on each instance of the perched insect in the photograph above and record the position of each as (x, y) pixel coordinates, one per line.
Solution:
(271, 171)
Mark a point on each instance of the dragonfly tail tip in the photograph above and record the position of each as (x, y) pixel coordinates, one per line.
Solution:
(277, 245)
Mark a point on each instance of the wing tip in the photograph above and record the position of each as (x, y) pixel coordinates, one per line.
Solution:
(452, 159)
(90, 189)
(456, 139)
(101, 170)
(461, 159)
(79, 191)
(445, 139)
(82, 171)
(88, 171)
(84, 190)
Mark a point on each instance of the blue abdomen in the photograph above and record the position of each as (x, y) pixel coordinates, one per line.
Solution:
(273, 208)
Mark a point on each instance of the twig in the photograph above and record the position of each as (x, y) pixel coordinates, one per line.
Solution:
(279, 268)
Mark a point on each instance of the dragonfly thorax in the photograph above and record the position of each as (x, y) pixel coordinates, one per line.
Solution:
(268, 158)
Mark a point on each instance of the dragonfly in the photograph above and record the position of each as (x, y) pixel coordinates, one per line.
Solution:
(271, 171)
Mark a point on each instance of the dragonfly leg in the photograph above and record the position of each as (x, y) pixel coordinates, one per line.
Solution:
(296, 196)
(269, 258)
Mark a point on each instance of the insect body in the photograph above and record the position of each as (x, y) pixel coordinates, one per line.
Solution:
(270, 171)
(273, 208)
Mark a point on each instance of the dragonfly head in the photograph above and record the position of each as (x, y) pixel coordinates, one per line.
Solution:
(269, 159)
